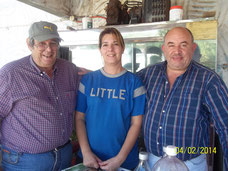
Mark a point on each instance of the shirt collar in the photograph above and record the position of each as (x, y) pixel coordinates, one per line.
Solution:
(164, 67)
(37, 69)
(188, 69)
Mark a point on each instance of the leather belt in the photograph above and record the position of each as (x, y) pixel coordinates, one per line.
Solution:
(59, 147)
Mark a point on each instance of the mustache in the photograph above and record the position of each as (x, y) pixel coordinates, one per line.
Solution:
(177, 55)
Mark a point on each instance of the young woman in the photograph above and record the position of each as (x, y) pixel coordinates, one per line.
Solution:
(109, 109)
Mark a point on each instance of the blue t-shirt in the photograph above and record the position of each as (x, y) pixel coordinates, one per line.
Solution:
(109, 102)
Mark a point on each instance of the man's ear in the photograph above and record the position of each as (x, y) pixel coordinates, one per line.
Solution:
(28, 44)
(194, 47)
(162, 47)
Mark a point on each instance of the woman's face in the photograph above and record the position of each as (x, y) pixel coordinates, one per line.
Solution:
(111, 50)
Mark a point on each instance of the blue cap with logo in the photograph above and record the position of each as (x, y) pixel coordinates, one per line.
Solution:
(42, 31)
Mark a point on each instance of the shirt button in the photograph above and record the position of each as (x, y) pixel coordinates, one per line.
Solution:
(163, 111)
(41, 74)
(160, 127)
(166, 82)
(157, 142)
(57, 98)
(61, 114)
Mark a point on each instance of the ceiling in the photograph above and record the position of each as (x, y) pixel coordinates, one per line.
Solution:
(61, 8)
(82, 8)
(67, 8)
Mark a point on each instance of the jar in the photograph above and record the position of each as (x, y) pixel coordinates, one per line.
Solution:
(87, 22)
(176, 13)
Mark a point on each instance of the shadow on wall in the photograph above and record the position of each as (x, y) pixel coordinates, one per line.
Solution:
(197, 55)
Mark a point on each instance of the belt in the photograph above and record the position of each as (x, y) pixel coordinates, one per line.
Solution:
(157, 158)
(60, 147)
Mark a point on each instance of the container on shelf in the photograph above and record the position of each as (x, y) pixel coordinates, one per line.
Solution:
(176, 13)
(87, 23)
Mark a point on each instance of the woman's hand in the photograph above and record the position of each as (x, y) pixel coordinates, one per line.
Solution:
(111, 164)
(133, 133)
(91, 160)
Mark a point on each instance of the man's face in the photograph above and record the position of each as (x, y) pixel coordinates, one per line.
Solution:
(44, 53)
(178, 49)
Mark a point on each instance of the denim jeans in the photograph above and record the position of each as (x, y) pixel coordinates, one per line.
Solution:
(48, 161)
(196, 164)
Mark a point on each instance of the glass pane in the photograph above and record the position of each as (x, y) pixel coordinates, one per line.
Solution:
(205, 53)
(87, 56)
(143, 45)
(141, 55)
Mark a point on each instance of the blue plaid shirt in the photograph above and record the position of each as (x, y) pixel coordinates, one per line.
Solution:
(181, 116)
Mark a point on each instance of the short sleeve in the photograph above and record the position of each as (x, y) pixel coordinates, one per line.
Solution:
(81, 99)
(138, 98)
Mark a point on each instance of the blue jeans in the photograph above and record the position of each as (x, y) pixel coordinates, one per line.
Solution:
(196, 164)
(49, 161)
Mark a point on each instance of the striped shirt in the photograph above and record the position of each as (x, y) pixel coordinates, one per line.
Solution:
(181, 116)
(36, 110)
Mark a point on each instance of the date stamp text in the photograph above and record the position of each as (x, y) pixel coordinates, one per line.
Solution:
(196, 150)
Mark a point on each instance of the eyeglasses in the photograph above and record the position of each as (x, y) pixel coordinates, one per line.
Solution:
(43, 46)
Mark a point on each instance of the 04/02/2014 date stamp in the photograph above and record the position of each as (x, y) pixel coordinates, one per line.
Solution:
(196, 150)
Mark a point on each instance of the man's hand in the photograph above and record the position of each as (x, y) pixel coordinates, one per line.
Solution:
(83, 71)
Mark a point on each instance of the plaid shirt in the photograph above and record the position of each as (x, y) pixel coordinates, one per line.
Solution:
(36, 111)
(181, 116)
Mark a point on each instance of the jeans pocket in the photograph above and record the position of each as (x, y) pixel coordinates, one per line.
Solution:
(198, 163)
(198, 160)
(10, 157)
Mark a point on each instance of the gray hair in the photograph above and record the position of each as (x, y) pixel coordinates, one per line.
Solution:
(31, 42)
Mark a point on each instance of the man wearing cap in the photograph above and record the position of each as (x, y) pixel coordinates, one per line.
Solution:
(37, 102)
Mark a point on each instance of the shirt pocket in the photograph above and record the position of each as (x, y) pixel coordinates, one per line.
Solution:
(70, 101)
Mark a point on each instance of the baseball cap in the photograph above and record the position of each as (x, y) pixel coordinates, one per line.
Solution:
(43, 30)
